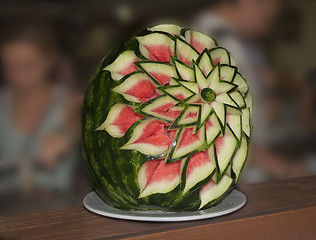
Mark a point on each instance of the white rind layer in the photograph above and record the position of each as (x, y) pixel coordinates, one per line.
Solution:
(200, 172)
(108, 125)
(185, 51)
(155, 38)
(240, 158)
(169, 28)
(225, 153)
(220, 54)
(131, 81)
(201, 38)
(120, 63)
(211, 192)
(185, 72)
(145, 148)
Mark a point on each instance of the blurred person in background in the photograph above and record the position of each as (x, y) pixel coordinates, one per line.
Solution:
(239, 25)
(39, 120)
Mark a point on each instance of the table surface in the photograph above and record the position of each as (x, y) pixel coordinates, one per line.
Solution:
(274, 210)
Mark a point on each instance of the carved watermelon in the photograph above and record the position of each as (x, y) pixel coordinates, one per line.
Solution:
(166, 122)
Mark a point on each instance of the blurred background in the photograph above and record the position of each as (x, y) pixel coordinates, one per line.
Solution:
(49, 49)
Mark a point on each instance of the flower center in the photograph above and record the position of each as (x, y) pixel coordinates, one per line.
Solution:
(208, 95)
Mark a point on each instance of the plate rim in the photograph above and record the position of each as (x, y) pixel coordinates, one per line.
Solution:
(127, 216)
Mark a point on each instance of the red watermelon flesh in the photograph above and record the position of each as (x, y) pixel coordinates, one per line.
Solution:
(126, 118)
(196, 161)
(208, 186)
(205, 71)
(212, 129)
(170, 133)
(219, 143)
(129, 68)
(199, 167)
(161, 53)
(151, 167)
(159, 139)
(197, 45)
(180, 96)
(166, 110)
(165, 172)
(208, 124)
(144, 90)
(216, 61)
(188, 137)
(185, 60)
(162, 78)
(160, 177)
(191, 115)
(199, 100)
(154, 133)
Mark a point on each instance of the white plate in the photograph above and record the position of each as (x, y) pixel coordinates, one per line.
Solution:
(234, 201)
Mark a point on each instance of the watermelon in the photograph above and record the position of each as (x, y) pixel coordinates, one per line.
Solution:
(166, 122)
